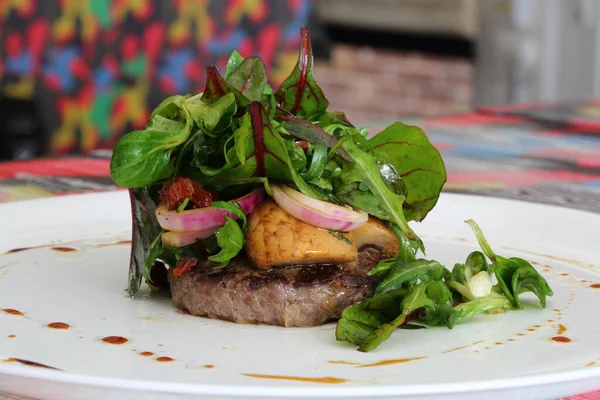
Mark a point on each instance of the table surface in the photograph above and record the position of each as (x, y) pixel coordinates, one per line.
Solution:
(543, 153)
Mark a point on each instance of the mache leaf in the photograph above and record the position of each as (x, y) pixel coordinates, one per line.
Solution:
(407, 274)
(515, 276)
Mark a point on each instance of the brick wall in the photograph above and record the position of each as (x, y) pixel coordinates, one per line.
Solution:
(372, 84)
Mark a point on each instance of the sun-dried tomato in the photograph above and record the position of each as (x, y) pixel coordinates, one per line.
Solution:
(174, 193)
(184, 265)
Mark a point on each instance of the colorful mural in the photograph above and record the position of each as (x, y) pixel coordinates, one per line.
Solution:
(98, 67)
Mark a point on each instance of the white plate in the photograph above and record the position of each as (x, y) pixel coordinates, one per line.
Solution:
(505, 356)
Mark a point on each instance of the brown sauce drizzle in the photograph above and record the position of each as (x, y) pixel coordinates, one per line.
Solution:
(564, 274)
(561, 329)
(390, 362)
(146, 353)
(561, 339)
(64, 249)
(114, 340)
(12, 311)
(209, 366)
(29, 363)
(12, 336)
(590, 364)
(462, 347)
(327, 379)
(58, 325)
(342, 362)
(595, 285)
(164, 359)
(120, 242)
(18, 250)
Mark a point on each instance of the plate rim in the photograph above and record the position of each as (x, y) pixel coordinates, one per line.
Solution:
(293, 389)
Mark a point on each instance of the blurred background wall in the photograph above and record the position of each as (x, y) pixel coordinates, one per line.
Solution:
(77, 74)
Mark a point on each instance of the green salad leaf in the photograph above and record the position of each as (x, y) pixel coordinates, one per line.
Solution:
(416, 161)
(299, 92)
(515, 275)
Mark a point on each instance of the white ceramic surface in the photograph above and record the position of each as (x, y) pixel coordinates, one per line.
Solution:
(492, 356)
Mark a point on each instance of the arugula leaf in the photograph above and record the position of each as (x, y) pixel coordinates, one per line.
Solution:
(214, 117)
(407, 274)
(317, 164)
(233, 208)
(361, 319)
(299, 92)
(424, 296)
(250, 78)
(235, 59)
(231, 240)
(365, 170)
(408, 248)
(416, 161)
(515, 276)
(442, 297)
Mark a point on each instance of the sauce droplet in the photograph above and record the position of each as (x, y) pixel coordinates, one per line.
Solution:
(537, 326)
(209, 366)
(164, 359)
(564, 274)
(499, 343)
(561, 329)
(326, 379)
(58, 325)
(114, 339)
(146, 353)
(12, 336)
(595, 285)
(64, 249)
(531, 329)
(520, 334)
(12, 311)
(160, 345)
(561, 339)
(550, 320)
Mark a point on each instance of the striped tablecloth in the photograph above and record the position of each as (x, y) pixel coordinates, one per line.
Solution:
(540, 156)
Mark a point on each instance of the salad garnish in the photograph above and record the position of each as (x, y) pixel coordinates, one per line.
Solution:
(205, 161)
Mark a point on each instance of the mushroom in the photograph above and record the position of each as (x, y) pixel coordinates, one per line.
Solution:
(276, 238)
(374, 233)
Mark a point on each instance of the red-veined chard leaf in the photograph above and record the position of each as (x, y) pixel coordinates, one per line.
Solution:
(305, 130)
(299, 92)
(250, 78)
(216, 87)
(235, 59)
(416, 161)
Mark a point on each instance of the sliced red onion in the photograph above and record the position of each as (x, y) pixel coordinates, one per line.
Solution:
(317, 212)
(202, 219)
(182, 239)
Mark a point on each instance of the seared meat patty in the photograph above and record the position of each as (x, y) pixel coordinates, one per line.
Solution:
(303, 295)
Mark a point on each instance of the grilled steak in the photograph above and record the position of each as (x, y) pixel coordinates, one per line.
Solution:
(306, 295)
